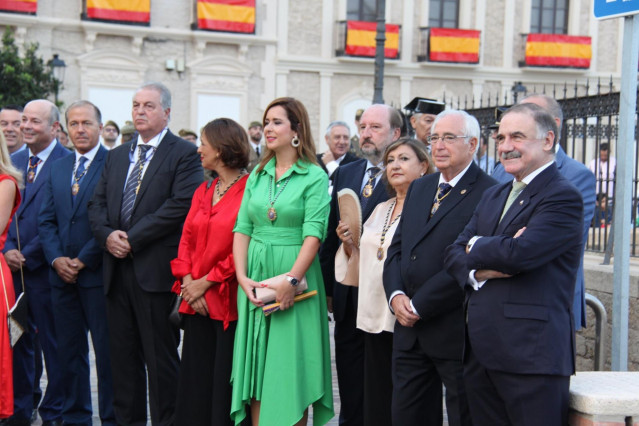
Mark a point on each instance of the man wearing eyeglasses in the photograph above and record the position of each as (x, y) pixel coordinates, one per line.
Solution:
(517, 260)
(428, 303)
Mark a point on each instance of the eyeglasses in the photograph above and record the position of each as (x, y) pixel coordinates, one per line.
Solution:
(448, 139)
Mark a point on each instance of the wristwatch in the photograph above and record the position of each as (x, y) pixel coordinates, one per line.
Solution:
(291, 279)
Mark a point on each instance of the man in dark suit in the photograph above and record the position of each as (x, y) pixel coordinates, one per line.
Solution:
(136, 214)
(518, 259)
(429, 332)
(337, 137)
(583, 179)
(379, 126)
(40, 122)
(75, 257)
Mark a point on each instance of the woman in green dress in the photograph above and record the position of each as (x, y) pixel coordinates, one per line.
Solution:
(281, 362)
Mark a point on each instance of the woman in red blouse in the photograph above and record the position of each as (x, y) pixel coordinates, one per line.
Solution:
(206, 278)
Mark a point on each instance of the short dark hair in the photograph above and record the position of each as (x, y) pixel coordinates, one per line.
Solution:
(604, 146)
(12, 107)
(230, 139)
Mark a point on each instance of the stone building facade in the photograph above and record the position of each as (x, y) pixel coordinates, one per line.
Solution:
(293, 53)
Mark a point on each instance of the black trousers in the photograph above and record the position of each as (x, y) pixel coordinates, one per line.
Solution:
(417, 388)
(204, 389)
(378, 383)
(497, 398)
(349, 363)
(141, 340)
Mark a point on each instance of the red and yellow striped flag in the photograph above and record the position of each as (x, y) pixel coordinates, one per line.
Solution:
(360, 39)
(558, 50)
(24, 6)
(236, 16)
(120, 10)
(454, 45)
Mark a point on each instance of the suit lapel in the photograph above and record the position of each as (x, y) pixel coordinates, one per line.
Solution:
(58, 151)
(160, 155)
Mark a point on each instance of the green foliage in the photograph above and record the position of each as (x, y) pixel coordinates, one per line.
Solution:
(22, 78)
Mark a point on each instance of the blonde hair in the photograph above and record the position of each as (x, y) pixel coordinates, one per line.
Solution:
(6, 167)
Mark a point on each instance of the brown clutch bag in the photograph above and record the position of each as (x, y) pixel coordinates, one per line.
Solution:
(267, 295)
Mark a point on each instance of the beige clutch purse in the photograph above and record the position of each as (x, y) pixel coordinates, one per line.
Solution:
(267, 295)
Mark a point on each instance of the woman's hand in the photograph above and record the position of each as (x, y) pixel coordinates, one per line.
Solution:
(194, 289)
(344, 233)
(284, 294)
(199, 306)
(248, 285)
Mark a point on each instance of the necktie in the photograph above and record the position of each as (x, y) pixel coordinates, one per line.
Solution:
(131, 189)
(257, 151)
(368, 188)
(33, 167)
(442, 192)
(80, 171)
(514, 193)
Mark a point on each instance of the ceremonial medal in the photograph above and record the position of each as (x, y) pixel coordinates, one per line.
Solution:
(434, 208)
(368, 190)
(380, 253)
(75, 188)
(30, 176)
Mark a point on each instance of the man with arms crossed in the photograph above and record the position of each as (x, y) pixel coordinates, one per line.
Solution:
(517, 260)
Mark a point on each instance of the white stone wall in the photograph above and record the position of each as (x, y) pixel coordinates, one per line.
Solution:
(288, 55)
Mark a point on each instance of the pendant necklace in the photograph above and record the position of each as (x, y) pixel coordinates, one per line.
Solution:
(380, 250)
(75, 188)
(271, 213)
(217, 186)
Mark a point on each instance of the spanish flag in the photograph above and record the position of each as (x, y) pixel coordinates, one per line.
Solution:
(237, 16)
(23, 6)
(138, 11)
(558, 50)
(360, 39)
(453, 45)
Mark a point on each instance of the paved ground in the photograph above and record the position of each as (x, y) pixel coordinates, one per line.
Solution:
(336, 401)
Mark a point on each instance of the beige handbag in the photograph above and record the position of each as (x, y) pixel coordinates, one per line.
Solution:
(267, 295)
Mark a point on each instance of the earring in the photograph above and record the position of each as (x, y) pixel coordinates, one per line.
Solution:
(295, 142)
(421, 174)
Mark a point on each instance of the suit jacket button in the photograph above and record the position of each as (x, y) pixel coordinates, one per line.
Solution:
(413, 257)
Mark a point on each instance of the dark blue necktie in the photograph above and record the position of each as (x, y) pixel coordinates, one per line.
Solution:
(442, 191)
(78, 176)
(132, 187)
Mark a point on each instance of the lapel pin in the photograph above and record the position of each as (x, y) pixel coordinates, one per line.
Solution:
(463, 191)
(521, 203)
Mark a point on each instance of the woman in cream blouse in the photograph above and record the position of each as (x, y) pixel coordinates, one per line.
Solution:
(405, 160)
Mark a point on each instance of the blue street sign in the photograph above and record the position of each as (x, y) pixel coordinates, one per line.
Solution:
(605, 9)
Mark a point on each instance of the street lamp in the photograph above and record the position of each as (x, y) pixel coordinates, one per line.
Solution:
(517, 89)
(57, 67)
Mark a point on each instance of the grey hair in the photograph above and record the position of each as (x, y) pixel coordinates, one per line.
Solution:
(471, 125)
(54, 112)
(82, 103)
(551, 105)
(165, 94)
(335, 124)
(544, 121)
